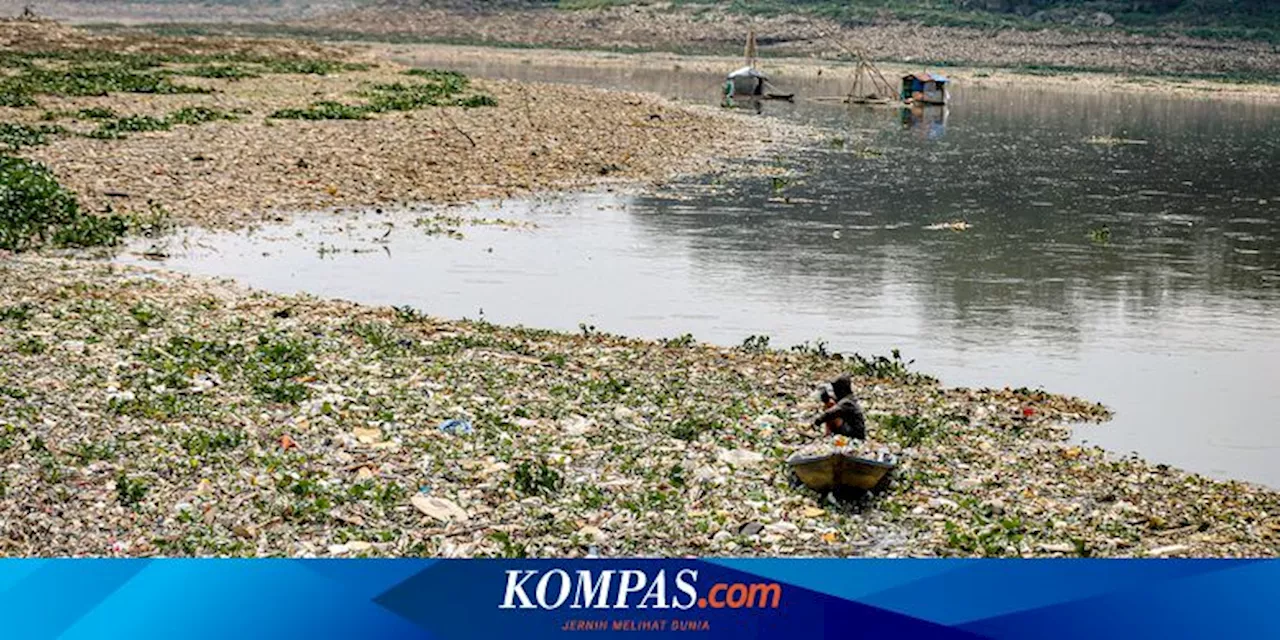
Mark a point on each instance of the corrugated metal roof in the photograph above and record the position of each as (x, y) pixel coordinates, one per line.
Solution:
(925, 76)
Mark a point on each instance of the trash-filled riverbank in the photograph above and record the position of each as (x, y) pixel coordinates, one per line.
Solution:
(148, 413)
(720, 30)
(226, 131)
(787, 67)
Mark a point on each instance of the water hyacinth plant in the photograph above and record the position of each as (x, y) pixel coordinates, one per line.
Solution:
(35, 209)
(14, 137)
(98, 72)
(437, 89)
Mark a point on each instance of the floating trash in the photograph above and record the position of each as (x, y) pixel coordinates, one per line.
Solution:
(456, 427)
(955, 225)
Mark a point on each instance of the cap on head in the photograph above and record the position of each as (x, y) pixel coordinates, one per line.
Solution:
(842, 386)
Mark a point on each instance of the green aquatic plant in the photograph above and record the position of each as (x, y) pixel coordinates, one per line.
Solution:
(18, 313)
(381, 336)
(450, 77)
(409, 315)
(88, 451)
(310, 66)
(118, 128)
(130, 491)
(998, 538)
(158, 384)
(91, 113)
(324, 110)
(537, 479)
(87, 80)
(441, 225)
(276, 364)
(92, 72)
(679, 342)
(200, 442)
(198, 115)
(909, 430)
(91, 231)
(14, 137)
(443, 90)
(893, 367)
(476, 101)
(507, 546)
(36, 209)
(817, 349)
(172, 363)
(385, 495)
(221, 72)
(15, 97)
(115, 127)
(1100, 235)
(440, 89)
(147, 316)
(756, 344)
(31, 346)
(691, 428)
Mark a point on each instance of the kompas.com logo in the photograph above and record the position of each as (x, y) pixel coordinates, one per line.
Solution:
(631, 588)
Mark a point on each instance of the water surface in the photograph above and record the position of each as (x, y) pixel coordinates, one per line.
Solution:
(1121, 247)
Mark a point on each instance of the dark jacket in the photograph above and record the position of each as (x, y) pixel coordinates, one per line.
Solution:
(850, 412)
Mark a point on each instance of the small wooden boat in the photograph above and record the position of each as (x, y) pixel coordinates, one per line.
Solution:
(840, 471)
(749, 82)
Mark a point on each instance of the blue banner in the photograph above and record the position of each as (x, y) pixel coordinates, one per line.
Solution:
(710, 598)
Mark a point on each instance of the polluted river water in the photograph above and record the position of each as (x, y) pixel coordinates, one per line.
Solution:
(1122, 247)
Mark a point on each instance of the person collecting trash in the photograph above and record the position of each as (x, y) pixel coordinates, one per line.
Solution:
(842, 414)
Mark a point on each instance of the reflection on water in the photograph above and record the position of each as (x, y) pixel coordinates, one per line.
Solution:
(929, 121)
(1120, 247)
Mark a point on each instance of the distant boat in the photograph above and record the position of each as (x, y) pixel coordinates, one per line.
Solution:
(749, 82)
(840, 471)
(745, 82)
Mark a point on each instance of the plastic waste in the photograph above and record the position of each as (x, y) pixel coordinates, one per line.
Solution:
(456, 427)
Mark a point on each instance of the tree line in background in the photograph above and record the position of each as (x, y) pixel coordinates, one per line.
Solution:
(1138, 13)
(1186, 8)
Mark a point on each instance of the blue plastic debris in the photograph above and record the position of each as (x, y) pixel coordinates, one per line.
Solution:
(456, 427)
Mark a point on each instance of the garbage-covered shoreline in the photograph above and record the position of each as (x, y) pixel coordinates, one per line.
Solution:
(786, 67)
(228, 131)
(708, 29)
(149, 413)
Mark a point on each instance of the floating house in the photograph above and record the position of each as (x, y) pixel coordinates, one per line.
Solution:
(924, 88)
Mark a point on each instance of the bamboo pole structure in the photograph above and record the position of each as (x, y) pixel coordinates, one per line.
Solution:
(881, 89)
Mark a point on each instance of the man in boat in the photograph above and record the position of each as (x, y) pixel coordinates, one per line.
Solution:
(842, 414)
